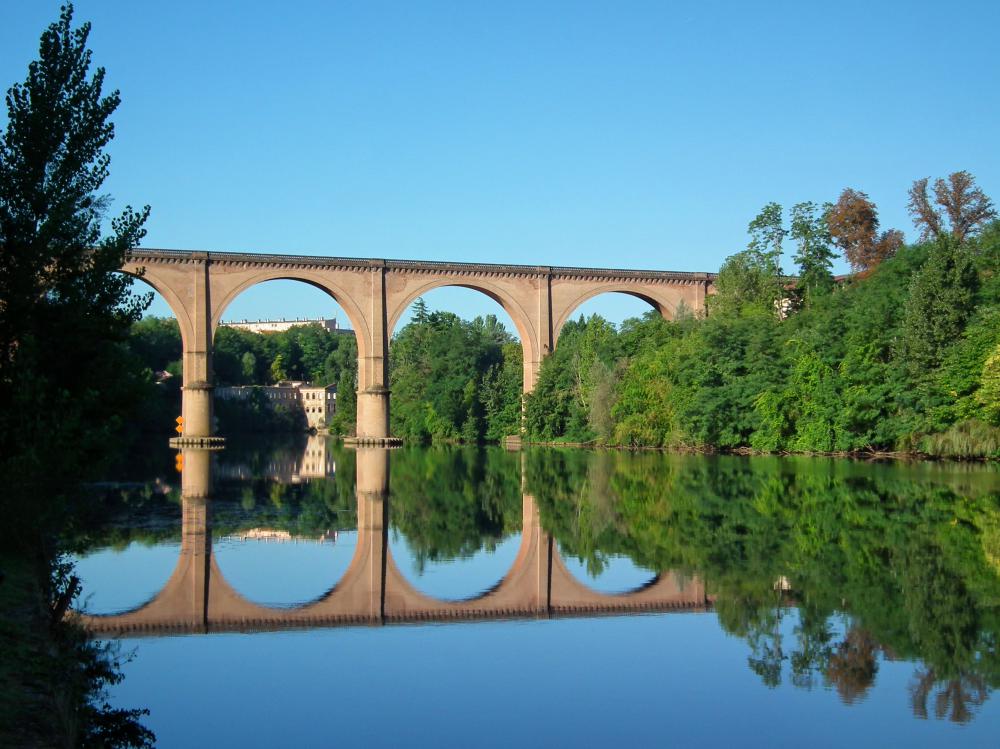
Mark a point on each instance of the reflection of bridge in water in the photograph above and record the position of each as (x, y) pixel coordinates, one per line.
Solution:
(197, 598)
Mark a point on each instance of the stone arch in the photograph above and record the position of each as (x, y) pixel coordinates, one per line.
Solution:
(319, 280)
(664, 301)
(162, 288)
(520, 317)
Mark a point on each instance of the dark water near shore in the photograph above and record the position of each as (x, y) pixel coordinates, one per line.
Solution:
(304, 594)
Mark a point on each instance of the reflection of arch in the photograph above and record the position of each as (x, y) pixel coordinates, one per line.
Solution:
(663, 301)
(649, 578)
(317, 280)
(517, 313)
(373, 590)
(170, 297)
(474, 586)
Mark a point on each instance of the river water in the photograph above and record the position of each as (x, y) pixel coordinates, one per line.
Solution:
(299, 593)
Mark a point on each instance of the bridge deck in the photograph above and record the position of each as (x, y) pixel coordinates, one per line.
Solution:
(254, 258)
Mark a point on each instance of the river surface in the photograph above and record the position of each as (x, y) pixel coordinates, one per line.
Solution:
(298, 593)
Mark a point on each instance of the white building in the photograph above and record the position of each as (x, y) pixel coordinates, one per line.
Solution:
(318, 402)
(277, 326)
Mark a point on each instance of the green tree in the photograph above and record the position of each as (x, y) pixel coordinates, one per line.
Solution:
(746, 284)
(814, 256)
(248, 365)
(939, 303)
(65, 316)
(278, 371)
(57, 278)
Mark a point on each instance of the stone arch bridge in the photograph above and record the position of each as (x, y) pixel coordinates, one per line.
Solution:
(374, 294)
(373, 591)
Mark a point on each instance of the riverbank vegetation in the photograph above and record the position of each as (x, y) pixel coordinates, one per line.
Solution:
(902, 355)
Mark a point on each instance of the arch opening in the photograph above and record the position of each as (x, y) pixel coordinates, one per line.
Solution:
(620, 307)
(459, 578)
(116, 580)
(609, 574)
(277, 569)
(286, 357)
(456, 518)
(457, 364)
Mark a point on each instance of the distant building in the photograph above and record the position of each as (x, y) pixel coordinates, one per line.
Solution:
(318, 402)
(277, 326)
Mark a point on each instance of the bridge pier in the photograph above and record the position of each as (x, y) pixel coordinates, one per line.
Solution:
(373, 416)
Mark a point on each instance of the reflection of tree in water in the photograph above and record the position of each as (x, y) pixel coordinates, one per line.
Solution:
(851, 668)
(150, 511)
(880, 561)
(955, 697)
(454, 501)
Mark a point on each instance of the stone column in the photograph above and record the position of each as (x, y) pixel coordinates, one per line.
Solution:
(196, 405)
(373, 390)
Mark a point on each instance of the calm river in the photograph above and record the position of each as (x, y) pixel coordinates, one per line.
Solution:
(302, 594)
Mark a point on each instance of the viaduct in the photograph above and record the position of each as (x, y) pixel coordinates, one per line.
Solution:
(372, 591)
(374, 294)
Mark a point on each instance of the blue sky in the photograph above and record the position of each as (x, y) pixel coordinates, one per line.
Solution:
(634, 134)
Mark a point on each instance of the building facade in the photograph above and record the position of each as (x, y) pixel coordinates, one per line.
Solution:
(317, 402)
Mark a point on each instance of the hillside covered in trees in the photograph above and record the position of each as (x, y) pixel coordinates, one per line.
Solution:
(904, 354)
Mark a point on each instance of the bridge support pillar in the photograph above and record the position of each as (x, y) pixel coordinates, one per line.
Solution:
(373, 415)
(373, 369)
(196, 403)
(196, 407)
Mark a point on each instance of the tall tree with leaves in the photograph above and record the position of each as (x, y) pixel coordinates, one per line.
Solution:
(853, 225)
(56, 280)
(766, 236)
(814, 256)
(750, 281)
(967, 209)
(939, 303)
(67, 382)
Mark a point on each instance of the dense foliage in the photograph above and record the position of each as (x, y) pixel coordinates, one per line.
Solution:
(903, 357)
(453, 379)
(454, 501)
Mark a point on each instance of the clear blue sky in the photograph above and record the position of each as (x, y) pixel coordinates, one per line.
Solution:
(632, 134)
